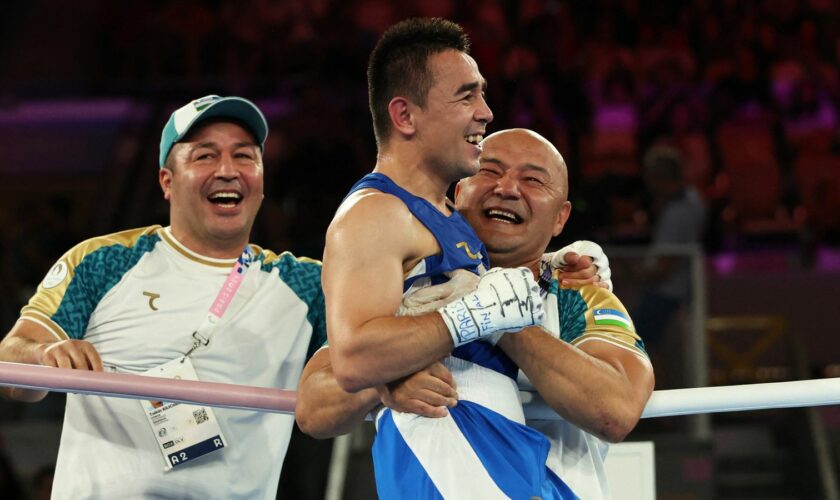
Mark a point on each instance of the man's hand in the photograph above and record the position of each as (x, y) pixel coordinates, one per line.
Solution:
(426, 393)
(31, 343)
(506, 300)
(581, 263)
(579, 270)
(77, 354)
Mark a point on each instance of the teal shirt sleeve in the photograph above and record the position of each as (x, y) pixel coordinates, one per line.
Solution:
(303, 276)
(72, 290)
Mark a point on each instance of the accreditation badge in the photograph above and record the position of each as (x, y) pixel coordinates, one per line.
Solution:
(183, 432)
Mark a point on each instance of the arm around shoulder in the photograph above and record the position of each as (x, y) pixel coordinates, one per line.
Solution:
(602, 382)
(599, 387)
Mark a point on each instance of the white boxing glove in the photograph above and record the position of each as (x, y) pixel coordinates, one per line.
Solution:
(588, 248)
(506, 300)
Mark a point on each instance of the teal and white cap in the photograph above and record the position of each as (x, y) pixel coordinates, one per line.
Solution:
(212, 106)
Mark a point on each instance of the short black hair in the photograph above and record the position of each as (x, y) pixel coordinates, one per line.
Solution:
(398, 64)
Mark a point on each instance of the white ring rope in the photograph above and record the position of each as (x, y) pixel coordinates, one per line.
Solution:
(817, 392)
(674, 402)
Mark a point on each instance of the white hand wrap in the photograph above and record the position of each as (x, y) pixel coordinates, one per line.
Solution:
(432, 298)
(583, 247)
(506, 300)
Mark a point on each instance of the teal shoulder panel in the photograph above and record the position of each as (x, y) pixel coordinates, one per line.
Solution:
(303, 276)
(97, 273)
(572, 309)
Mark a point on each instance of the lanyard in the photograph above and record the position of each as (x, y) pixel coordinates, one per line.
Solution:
(201, 337)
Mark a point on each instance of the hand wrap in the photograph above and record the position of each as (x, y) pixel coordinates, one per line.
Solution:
(506, 300)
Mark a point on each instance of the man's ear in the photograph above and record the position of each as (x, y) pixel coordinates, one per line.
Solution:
(562, 216)
(402, 119)
(165, 179)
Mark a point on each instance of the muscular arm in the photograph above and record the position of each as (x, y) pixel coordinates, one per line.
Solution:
(599, 387)
(369, 244)
(31, 343)
(325, 410)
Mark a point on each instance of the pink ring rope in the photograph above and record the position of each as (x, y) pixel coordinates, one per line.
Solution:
(141, 387)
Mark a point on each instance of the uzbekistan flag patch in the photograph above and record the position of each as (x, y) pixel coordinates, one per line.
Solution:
(612, 317)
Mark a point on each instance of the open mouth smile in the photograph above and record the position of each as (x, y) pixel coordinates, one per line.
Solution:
(225, 199)
(474, 139)
(503, 216)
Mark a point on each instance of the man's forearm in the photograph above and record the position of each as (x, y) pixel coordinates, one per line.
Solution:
(14, 349)
(388, 348)
(325, 410)
(385, 348)
(591, 393)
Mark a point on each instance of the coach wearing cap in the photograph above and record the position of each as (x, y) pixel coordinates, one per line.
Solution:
(139, 301)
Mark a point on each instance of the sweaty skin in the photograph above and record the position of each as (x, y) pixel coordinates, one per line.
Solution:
(374, 239)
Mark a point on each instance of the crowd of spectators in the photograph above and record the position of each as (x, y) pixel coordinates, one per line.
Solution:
(748, 90)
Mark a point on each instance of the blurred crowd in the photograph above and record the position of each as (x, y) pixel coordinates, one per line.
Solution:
(749, 91)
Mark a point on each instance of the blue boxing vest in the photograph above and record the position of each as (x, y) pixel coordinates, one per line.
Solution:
(460, 249)
(474, 451)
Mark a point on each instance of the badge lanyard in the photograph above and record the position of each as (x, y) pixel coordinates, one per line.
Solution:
(187, 432)
(201, 337)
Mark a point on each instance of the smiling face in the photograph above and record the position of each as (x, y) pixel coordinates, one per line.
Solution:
(214, 184)
(452, 123)
(517, 201)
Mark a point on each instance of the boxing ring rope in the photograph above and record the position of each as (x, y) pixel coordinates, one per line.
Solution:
(123, 385)
(665, 403)
(817, 392)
